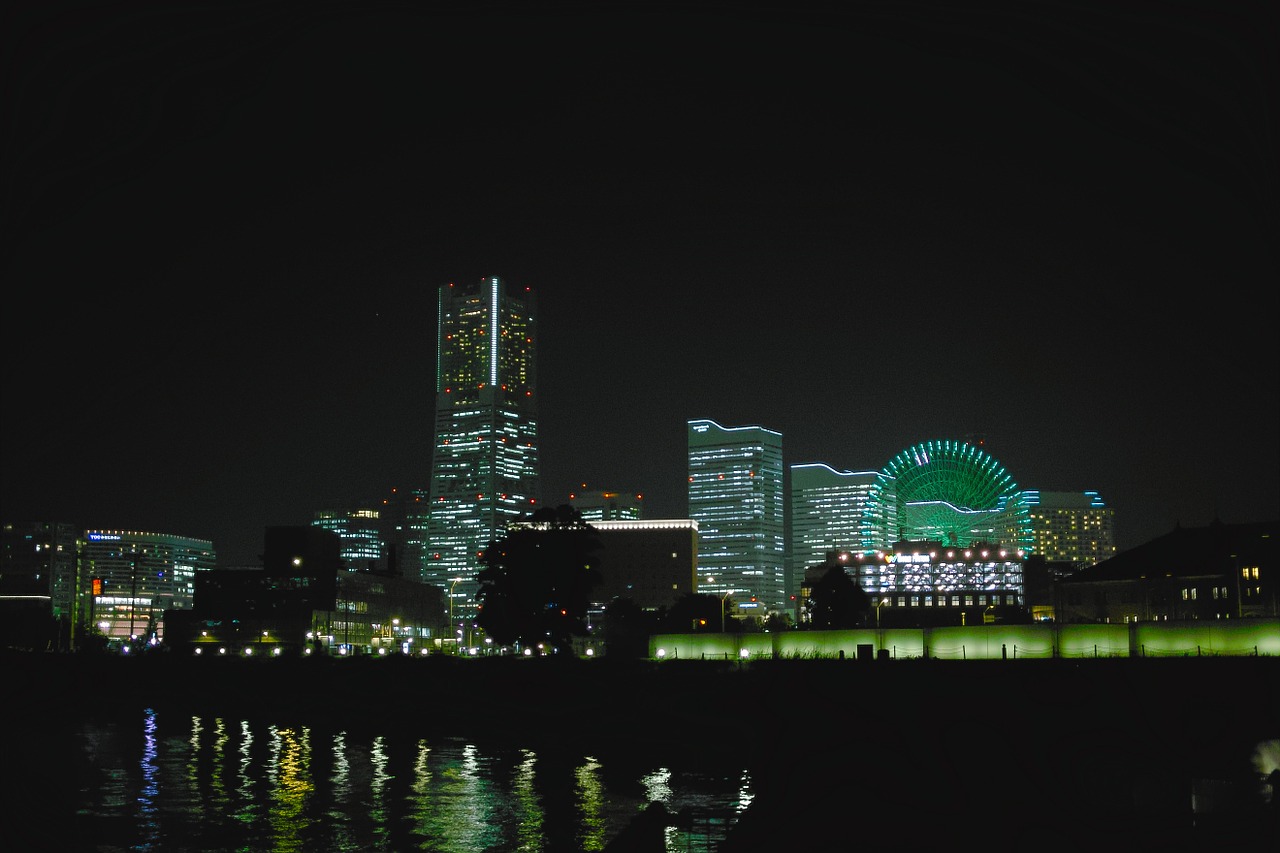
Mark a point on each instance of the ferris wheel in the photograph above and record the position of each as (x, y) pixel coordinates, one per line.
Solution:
(950, 492)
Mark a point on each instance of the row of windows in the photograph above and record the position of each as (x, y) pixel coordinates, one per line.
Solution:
(1190, 593)
(942, 600)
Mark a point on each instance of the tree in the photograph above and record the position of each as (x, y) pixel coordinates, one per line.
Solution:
(779, 622)
(537, 581)
(693, 612)
(626, 629)
(837, 601)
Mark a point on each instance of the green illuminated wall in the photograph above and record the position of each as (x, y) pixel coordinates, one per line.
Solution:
(1237, 637)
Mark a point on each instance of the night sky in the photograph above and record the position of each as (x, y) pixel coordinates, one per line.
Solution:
(863, 225)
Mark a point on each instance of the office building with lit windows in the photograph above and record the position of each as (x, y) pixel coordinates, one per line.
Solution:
(736, 497)
(1071, 527)
(361, 532)
(40, 602)
(607, 505)
(934, 583)
(133, 578)
(484, 465)
(828, 513)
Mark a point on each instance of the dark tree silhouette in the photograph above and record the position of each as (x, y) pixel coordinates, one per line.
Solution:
(537, 581)
(779, 622)
(626, 629)
(837, 601)
(695, 612)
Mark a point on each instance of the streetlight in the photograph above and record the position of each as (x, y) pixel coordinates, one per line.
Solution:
(726, 594)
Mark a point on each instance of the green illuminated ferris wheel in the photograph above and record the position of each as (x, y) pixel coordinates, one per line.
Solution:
(950, 492)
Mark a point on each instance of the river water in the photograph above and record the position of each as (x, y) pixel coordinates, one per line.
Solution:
(178, 781)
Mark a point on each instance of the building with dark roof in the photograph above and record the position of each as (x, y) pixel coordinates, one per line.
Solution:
(1222, 571)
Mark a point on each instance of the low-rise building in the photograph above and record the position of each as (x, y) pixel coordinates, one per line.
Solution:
(1222, 571)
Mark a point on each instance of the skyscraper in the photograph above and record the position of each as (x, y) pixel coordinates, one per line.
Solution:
(736, 496)
(484, 465)
(828, 513)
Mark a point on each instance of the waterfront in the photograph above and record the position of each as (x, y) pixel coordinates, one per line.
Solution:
(171, 781)
(565, 755)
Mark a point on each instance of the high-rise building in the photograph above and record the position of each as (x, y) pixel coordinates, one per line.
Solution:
(1072, 527)
(484, 465)
(608, 506)
(404, 528)
(361, 532)
(736, 497)
(828, 513)
(39, 601)
(136, 577)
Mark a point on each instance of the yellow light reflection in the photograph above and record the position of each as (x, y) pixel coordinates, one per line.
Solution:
(290, 774)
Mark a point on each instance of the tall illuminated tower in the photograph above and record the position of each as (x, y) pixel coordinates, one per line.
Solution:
(736, 496)
(828, 513)
(484, 466)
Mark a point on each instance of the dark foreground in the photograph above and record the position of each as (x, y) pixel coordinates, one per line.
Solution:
(1046, 755)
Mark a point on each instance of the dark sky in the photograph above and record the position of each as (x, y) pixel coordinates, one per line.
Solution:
(864, 225)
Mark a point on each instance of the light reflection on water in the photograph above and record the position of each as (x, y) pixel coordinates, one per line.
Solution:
(178, 782)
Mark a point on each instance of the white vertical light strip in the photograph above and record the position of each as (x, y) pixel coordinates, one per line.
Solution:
(493, 332)
(440, 300)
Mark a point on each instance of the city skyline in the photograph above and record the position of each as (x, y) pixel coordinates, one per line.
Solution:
(862, 230)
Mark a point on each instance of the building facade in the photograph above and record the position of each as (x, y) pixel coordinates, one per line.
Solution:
(736, 497)
(361, 531)
(1218, 572)
(485, 463)
(920, 583)
(828, 513)
(304, 601)
(1071, 527)
(41, 605)
(133, 578)
(606, 505)
(653, 563)
(401, 511)
(932, 583)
